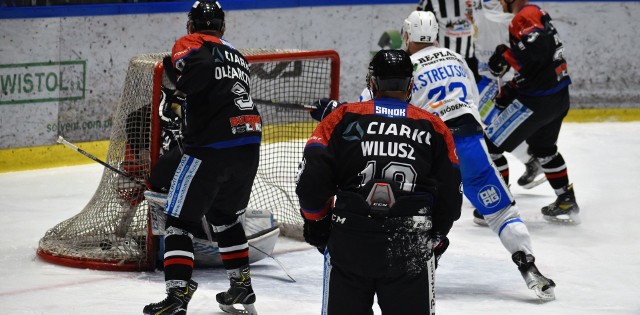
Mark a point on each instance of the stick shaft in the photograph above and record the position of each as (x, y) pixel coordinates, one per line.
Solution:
(277, 261)
(289, 105)
(70, 145)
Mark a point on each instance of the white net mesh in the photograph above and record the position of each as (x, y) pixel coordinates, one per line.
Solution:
(111, 232)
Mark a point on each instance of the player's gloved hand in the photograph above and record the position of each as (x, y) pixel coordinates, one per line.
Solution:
(440, 245)
(508, 93)
(498, 65)
(317, 232)
(171, 105)
(324, 107)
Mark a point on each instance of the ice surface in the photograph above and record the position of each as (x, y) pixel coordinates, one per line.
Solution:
(596, 265)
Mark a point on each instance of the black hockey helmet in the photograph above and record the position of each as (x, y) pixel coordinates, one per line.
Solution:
(391, 70)
(206, 15)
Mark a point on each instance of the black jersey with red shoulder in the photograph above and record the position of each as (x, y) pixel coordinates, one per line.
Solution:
(536, 53)
(384, 139)
(219, 111)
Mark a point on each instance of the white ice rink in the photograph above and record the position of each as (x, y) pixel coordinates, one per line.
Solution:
(596, 265)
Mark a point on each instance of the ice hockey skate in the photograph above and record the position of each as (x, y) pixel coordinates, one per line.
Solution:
(478, 218)
(530, 177)
(564, 210)
(541, 285)
(241, 293)
(175, 303)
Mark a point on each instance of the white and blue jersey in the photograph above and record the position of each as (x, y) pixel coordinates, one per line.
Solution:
(444, 86)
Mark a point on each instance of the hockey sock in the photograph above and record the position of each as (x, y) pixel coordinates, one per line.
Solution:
(502, 166)
(234, 248)
(178, 257)
(512, 231)
(555, 170)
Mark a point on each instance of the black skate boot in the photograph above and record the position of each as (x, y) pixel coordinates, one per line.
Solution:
(564, 210)
(240, 292)
(478, 218)
(541, 285)
(530, 177)
(175, 303)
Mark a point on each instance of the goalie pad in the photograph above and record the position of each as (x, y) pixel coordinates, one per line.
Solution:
(259, 226)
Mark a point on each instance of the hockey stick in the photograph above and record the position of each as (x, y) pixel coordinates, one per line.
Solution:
(123, 221)
(287, 105)
(70, 145)
(210, 238)
(277, 261)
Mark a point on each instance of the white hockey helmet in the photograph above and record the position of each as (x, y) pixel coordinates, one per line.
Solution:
(420, 27)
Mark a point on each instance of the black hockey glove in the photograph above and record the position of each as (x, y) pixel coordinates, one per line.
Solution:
(316, 233)
(497, 64)
(170, 107)
(508, 93)
(324, 107)
(440, 245)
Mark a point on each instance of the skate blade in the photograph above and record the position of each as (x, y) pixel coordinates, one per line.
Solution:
(249, 309)
(480, 222)
(535, 183)
(545, 295)
(564, 219)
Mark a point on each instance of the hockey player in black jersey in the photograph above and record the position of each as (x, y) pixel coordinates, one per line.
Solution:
(534, 102)
(221, 136)
(393, 172)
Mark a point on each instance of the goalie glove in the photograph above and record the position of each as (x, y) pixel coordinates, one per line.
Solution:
(324, 107)
(171, 107)
(498, 65)
(316, 233)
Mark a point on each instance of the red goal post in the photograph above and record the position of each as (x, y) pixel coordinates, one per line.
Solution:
(112, 232)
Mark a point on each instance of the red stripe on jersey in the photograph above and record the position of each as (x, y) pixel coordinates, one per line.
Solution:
(187, 43)
(561, 69)
(439, 126)
(511, 59)
(556, 175)
(236, 255)
(315, 216)
(322, 134)
(178, 261)
(319, 214)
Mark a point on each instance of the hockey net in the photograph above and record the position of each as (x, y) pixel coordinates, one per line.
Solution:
(112, 232)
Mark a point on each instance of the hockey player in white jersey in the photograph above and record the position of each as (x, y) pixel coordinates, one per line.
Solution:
(445, 86)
